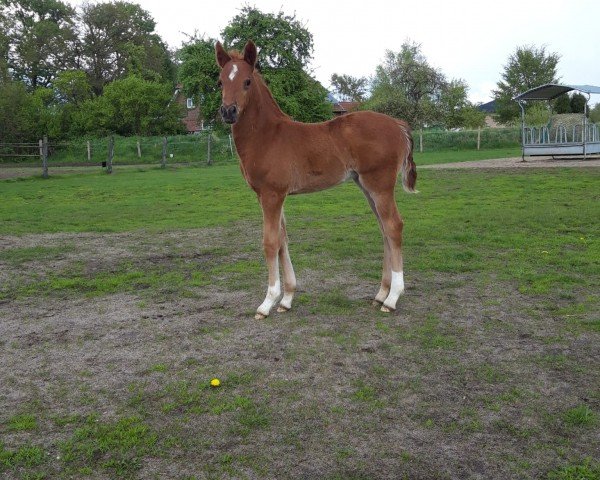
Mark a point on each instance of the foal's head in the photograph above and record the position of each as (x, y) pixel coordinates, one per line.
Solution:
(235, 80)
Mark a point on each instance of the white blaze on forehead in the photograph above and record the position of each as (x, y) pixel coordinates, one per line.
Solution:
(233, 73)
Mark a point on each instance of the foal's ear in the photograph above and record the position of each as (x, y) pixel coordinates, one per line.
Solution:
(222, 56)
(250, 53)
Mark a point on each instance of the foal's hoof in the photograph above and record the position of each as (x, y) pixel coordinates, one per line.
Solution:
(376, 303)
(259, 316)
(282, 309)
(387, 309)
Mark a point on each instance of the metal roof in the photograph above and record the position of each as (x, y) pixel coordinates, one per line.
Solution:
(552, 90)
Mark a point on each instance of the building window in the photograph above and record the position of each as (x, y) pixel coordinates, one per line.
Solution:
(190, 103)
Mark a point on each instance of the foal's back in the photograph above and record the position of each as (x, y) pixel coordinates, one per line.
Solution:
(319, 155)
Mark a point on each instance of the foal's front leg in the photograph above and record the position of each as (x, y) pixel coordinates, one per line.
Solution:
(271, 204)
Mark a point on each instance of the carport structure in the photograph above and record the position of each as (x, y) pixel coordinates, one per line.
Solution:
(576, 140)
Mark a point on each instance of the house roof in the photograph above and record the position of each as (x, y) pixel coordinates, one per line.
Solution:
(349, 106)
(552, 90)
(489, 107)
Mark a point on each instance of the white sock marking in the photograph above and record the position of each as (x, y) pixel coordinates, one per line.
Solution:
(273, 293)
(395, 290)
(233, 73)
(286, 301)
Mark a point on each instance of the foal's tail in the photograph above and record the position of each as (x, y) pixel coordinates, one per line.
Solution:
(409, 169)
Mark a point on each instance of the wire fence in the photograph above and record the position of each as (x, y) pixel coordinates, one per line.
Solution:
(481, 139)
(205, 148)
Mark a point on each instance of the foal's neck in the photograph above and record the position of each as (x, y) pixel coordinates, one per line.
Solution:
(260, 115)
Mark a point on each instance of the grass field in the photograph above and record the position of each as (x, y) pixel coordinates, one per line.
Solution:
(122, 296)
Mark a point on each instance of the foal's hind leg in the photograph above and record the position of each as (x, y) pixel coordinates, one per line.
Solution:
(289, 277)
(386, 275)
(392, 228)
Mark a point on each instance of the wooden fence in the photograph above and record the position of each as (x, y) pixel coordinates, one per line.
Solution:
(118, 151)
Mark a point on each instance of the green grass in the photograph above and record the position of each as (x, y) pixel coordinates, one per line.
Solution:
(334, 374)
(26, 456)
(587, 470)
(22, 422)
(580, 416)
(20, 255)
(114, 446)
(538, 228)
(154, 199)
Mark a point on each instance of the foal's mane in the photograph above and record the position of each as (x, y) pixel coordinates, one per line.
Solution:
(258, 78)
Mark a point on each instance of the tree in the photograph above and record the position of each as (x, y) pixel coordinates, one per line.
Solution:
(43, 40)
(595, 114)
(118, 39)
(537, 115)
(299, 95)
(349, 88)
(131, 106)
(5, 26)
(452, 102)
(283, 41)
(406, 86)
(285, 50)
(72, 87)
(16, 105)
(528, 67)
(562, 104)
(198, 72)
(578, 103)
(472, 117)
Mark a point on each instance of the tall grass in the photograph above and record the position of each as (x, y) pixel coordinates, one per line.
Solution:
(491, 138)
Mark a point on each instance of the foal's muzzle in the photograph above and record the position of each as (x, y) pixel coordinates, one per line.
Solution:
(229, 113)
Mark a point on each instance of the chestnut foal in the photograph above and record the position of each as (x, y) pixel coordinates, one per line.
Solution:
(280, 157)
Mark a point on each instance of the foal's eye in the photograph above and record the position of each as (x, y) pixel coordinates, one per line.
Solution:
(247, 83)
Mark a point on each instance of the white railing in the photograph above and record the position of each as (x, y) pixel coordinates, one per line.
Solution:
(560, 134)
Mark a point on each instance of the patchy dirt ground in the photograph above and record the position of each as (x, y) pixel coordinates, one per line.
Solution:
(517, 162)
(468, 379)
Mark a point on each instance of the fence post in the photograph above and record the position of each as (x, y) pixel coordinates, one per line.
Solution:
(164, 153)
(89, 151)
(231, 146)
(139, 150)
(421, 140)
(478, 137)
(209, 160)
(111, 153)
(45, 157)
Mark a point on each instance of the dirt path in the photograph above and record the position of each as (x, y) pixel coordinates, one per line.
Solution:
(517, 162)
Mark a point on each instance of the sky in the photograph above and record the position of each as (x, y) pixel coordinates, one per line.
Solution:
(466, 39)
